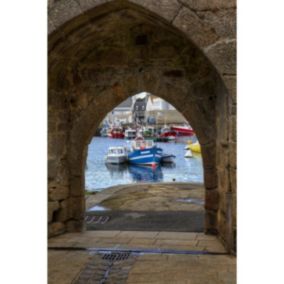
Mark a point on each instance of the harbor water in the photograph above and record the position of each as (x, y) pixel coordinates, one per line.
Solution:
(99, 175)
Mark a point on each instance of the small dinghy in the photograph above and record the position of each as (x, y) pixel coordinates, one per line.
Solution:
(188, 154)
(116, 155)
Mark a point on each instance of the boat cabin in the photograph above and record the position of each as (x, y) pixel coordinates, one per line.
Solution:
(130, 133)
(140, 144)
(116, 151)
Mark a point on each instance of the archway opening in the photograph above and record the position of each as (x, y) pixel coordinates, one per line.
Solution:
(165, 193)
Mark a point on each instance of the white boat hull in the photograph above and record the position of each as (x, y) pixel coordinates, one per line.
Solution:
(116, 159)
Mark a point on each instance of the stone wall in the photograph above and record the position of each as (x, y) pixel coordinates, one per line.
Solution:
(101, 52)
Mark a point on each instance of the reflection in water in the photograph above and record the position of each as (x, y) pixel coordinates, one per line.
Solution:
(169, 165)
(99, 175)
(140, 173)
(117, 171)
(117, 167)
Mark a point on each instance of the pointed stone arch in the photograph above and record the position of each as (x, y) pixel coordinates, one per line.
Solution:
(100, 53)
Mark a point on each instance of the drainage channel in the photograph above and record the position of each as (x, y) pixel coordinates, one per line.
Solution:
(106, 267)
(138, 251)
(96, 219)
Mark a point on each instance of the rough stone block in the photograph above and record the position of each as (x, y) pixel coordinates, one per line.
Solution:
(222, 203)
(52, 123)
(234, 209)
(201, 116)
(56, 145)
(52, 207)
(78, 207)
(56, 102)
(55, 229)
(212, 199)
(65, 211)
(198, 31)
(111, 57)
(90, 4)
(52, 168)
(76, 186)
(62, 175)
(50, 2)
(167, 9)
(222, 127)
(62, 11)
(211, 222)
(75, 226)
(222, 21)
(223, 55)
(233, 179)
(210, 178)
(58, 192)
(51, 27)
(200, 5)
(62, 127)
(233, 154)
(231, 84)
(222, 156)
(233, 129)
(223, 180)
(233, 109)
(209, 155)
(222, 225)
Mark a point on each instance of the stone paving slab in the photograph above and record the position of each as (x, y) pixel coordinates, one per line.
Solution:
(191, 269)
(73, 267)
(138, 239)
(64, 266)
(138, 234)
(179, 236)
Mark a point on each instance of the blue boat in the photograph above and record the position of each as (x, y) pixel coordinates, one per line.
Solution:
(145, 152)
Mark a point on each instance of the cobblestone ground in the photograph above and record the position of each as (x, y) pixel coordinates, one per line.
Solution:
(126, 257)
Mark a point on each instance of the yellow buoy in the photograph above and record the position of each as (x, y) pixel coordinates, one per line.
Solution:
(194, 147)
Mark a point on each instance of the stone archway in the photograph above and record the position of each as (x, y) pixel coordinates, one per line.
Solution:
(101, 54)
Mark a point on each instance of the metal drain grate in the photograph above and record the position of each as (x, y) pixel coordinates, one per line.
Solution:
(97, 219)
(116, 256)
(106, 267)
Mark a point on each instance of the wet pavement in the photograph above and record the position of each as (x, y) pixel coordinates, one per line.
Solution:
(164, 207)
(179, 221)
(149, 197)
